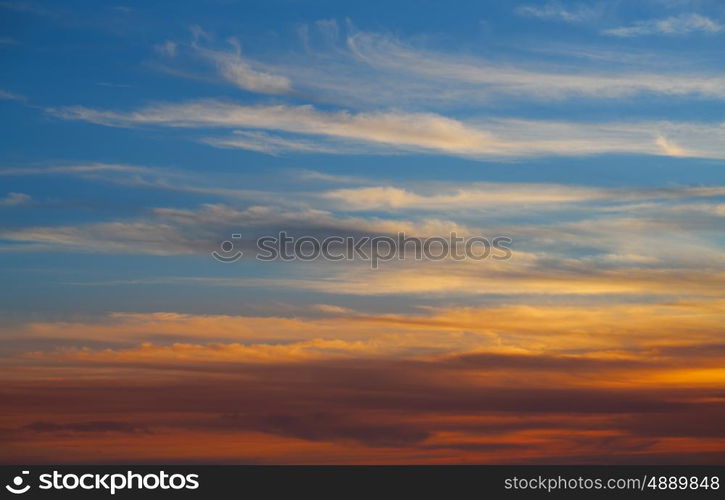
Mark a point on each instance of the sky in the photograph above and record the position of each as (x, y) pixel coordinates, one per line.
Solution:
(136, 137)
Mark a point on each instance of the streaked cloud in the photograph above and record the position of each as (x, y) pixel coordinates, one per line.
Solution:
(229, 64)
(412, 130)
(197, 231)
(676, 25)
(27, 7)
(15, 199)
(135, 176)
(479, 383)
(238, 71)
(271, 144)
(480, 75)
(421, 132)
(10, 96)
(497, 195)
(168, 48)
(461, 280)
(603, 331)
(557, 11)
(72, 169)
(360, 69)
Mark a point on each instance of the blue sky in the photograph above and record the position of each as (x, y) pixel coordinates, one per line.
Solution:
(642, 82)
(611, 94)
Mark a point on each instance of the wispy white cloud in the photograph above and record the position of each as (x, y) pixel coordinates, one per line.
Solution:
(73, 169)
(28, 7)
(555, 257)
(9, 96)
(313, 175)
(15, 199)
(368, 194)
(134, 237)
(442, 198)
(412, 130)
(610, 226)
(675, 25)
(136, 176)
(167, 49)
(230, 65)
(557, 11)
(425, 132)
(476, 77)
(360, 69)
(235, 69)
(270, 144)
(171, 231)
